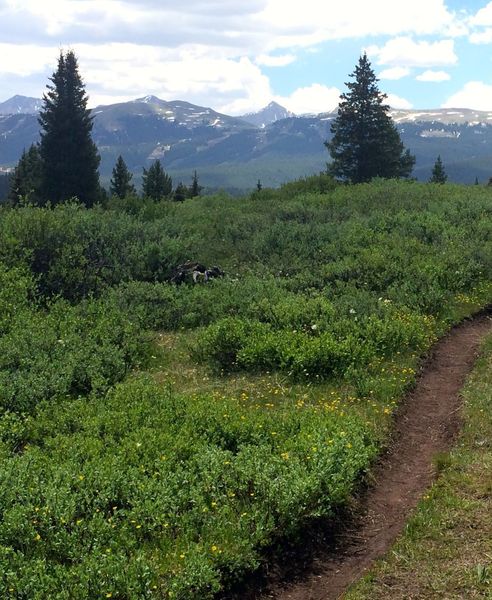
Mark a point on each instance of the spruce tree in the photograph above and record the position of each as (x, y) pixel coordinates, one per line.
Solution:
(25, 181)
(121, 183)
(4, 186)
(438, 172)
(195, 189)
(365, 141)
(156, 184)
(180, 192)
(70, 157)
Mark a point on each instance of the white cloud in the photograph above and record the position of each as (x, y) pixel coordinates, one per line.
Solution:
(275, 61)
(434, 76)
(119, 72)
(398, 102)
(483, 17)
(210, 53)
(482, 37)
(394, 73)
(481, 23)
(405, 52)
(353, 18)
(475, 94)
(315, 99)
(26, 60)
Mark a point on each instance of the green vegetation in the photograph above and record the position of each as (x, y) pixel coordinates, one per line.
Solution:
(438, 173)
(154, 438)
(365, 141)
(445, 549)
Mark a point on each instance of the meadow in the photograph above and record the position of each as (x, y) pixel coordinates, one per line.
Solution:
(156, 440)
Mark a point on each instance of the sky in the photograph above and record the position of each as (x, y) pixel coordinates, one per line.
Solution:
(236, 56)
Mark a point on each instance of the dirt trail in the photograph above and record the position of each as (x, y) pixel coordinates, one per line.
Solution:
(427, 424)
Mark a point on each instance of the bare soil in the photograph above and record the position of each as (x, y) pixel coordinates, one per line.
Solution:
(331, 557)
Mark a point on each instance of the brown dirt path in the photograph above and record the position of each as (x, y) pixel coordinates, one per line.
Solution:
(426, 424)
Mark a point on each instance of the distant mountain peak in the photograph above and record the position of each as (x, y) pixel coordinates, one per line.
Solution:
(267, 115)
(149, 99)
(20, 105)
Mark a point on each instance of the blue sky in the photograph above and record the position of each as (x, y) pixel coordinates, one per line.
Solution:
(237, 56)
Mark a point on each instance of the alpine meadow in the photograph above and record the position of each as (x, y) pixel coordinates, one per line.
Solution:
(189, 383)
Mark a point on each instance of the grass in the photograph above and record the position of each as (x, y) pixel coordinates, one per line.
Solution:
(446, 548)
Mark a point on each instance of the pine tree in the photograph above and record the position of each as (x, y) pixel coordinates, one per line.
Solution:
(4, 186)
(195, 189)
(121, 183)
(365, 141)
(25, 181)
(156, 184)
(70, 157)
(180, 193)
(438, 172)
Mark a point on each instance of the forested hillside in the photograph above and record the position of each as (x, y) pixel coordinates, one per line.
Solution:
(229, 153)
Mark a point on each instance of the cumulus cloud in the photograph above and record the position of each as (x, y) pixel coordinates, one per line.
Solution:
(475, 94)
(482, 37)
(398, 102)
(481, 26)
(394, 73)
(434, 76)
(353, 18)
(312, 99)
(209, 53)
(230, 85)
(275, 61)
(26, 60)
(405, 52)
(483, 17)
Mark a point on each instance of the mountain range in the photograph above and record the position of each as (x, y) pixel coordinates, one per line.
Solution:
(232, 153)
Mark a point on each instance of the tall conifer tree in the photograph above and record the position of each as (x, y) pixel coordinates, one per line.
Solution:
(156, 184)
(70, 157)
(180, 192)
(438, 173)
(121, 184)
(195, 188)
(4, 186)
(25, 181)
(365, 141)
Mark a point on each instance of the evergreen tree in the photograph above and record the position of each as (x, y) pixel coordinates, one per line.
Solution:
(438, 172)
(156, 184)
(70, 157)
(365, 141)
(4, 186)
(25, 181)
(195, 189)
(121, 183)
(180, 193)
